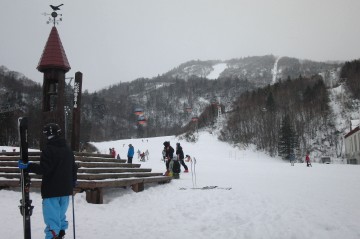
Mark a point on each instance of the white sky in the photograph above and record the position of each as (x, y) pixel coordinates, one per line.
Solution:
(116, 41)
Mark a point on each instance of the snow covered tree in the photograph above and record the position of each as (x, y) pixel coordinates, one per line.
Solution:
(287, 138)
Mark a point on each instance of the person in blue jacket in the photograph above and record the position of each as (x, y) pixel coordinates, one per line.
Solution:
(130, 153)
(59, 174)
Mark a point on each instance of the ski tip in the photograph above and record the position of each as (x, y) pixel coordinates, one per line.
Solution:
(207, 188)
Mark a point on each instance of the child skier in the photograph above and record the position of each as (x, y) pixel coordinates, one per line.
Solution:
(59, 174)
(292, 158)
(169, 154)
(174, 167)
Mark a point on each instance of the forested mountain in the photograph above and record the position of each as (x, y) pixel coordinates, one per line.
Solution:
(259, 116)
(19, 96)
(259, 70)
(350, 73)
(255, 95)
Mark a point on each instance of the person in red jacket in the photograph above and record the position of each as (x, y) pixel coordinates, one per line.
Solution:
(307, 159)
(113, 153)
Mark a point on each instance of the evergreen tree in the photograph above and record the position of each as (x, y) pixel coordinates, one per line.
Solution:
(270, 103)
(287, 138)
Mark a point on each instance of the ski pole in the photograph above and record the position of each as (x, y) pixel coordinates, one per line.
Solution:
(73, 211)
(192, 174)
(195, 171)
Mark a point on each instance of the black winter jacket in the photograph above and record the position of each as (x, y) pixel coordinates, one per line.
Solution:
(169, 152)
(180, 152)
(58, 169)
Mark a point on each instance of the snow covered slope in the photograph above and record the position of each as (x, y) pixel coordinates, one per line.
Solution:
(269, 199)
(218, 69)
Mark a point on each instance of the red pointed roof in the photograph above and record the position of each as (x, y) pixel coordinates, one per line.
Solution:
(53, 55)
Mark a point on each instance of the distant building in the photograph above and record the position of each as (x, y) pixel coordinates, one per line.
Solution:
(352, 146)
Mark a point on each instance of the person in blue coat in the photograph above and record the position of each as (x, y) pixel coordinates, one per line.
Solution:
(292, 158)
(130, 153)
(59, 174)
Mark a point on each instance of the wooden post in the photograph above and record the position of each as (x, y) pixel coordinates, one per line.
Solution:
(95, 196)
(75, 137)
(138, 187)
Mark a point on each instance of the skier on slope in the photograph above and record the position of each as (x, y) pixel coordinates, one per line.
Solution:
(58, 169)
(113, 153)
(307, 159)
(130, 153)
(174, 168)
(180, 155)
(292, 158)
(169, 154)
(142, 157)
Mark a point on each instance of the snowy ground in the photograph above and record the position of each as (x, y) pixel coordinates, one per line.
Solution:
(268, 199)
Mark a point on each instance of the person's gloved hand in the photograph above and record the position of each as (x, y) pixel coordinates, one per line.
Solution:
(22, 165)
(75, 183)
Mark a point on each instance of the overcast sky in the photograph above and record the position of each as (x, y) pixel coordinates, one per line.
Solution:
(115, 41)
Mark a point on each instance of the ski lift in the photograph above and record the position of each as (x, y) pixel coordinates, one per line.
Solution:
(195, 119)
(141, 117)
(213, 101)
(188, 109)
(142, 122)
(138, 111)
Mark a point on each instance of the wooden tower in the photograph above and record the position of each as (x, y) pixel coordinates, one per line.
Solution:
(53, 64)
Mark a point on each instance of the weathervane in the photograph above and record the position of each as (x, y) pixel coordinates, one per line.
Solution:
(54, 15)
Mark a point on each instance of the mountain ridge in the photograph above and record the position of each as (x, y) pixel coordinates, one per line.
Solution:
(259, 69)
(170, 101)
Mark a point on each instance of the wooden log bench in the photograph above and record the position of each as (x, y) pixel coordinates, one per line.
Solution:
(96, 172)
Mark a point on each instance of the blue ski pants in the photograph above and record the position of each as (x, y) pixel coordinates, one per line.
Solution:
(54, 213)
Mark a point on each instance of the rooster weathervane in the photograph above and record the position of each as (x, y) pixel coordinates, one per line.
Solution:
(54, 15)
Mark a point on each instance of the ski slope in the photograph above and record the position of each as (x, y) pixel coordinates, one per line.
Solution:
(218, 69)
(268, 199)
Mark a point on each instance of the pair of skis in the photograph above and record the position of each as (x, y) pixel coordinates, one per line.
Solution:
(193, 178)
(207, 188)
(25, 202)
